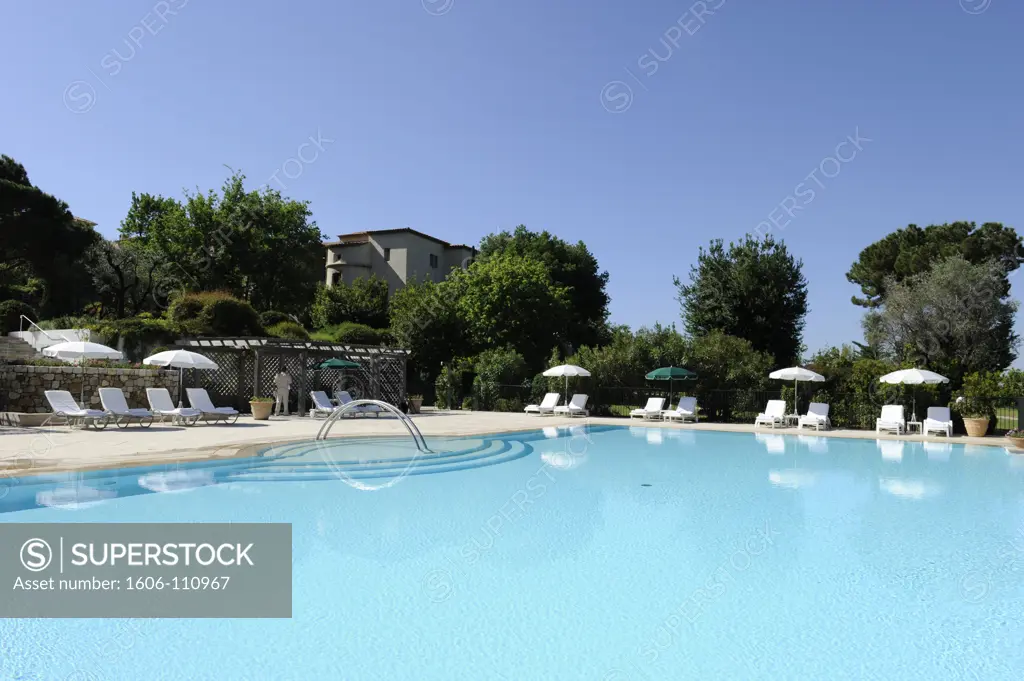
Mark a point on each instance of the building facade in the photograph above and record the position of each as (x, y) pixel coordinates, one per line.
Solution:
(394, 255)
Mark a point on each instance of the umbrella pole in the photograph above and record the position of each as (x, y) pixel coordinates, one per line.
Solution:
(181, 384)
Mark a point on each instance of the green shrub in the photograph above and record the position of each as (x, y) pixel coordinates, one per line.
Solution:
(10, 314)
(137, 336)
(288, 329)
(513, 404)
(215, 313)
(358, 334)
(273, 318)
(67, 322)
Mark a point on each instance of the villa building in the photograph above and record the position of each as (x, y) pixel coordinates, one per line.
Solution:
(395, 255)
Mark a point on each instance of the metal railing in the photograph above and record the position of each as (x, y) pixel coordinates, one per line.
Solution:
(414, 432)
(23, 318)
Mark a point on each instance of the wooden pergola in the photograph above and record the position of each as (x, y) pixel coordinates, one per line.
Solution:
(247, 367)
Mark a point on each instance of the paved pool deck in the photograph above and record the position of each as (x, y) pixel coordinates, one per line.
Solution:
(30, 451)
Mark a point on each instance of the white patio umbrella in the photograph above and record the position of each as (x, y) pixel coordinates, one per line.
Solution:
(796, 374)
(181, 360)
(913, 377)
(79, 350)
(567, 370)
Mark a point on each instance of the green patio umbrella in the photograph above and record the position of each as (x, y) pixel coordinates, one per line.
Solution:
(336, 363)
(671, 374)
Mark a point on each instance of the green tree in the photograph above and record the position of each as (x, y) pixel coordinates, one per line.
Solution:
(364, 301)
(912, 250)
(754, 290)
(510, 301)
(126, 277)
(571, 266)
(955, 318)
(425, 320)
(41, 239)
(257, 245)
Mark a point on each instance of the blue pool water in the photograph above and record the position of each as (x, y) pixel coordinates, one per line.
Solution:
(611, 554)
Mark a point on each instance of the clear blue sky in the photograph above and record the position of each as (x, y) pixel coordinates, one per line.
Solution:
(462, 117)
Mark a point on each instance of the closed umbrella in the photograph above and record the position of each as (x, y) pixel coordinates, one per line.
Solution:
(796, 374)
(181, 360)
(913, 377)
(671, 374)
(80, 350)
(567, 370)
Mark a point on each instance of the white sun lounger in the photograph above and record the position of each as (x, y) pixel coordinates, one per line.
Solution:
(577, 407)
(938, 421)
(891, 419)
(685, 411)
(774, 414)
(200, 399)
(344, 398)
(816, 417)
(546, 406)
(321, 404)
(160, 404)
(64, 406)
(651, 411)
(113, 401)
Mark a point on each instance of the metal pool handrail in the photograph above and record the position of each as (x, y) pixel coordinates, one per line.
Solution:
(417, 436)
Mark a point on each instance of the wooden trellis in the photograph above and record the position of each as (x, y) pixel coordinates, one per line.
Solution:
(247, 366)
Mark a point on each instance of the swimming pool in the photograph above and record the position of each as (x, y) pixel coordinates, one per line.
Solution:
(603, 553)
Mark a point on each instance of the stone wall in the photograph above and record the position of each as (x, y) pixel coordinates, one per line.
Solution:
(23, 386)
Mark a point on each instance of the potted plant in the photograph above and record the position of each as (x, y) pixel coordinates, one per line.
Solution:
(415, 402)
(975, 413)
(1016, 438)
(261, 407)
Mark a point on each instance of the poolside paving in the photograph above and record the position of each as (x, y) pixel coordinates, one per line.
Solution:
(28, 451)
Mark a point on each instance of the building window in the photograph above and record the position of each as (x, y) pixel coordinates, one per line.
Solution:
(387, 255)
(433, 261)
(334, 278)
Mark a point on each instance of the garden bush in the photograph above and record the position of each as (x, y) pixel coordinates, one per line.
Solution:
(273, 318)
(288, 329)
(215, 313)
(10, 314)
(358, 334)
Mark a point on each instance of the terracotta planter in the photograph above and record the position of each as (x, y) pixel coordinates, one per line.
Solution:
(414, 404)
(1016, 442)
(261, 410)
(976, 427)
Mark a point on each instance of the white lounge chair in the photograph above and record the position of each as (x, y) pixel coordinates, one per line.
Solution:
(816, 417)
(891, 419)
(546, 406)
(200, 399)
(774, 414)
(160, 404)
(322, 405)
(938, 421)
(577, 407)
(64, 406)
(114, 402)
(344, 398)
(685, 411)
(651, 411)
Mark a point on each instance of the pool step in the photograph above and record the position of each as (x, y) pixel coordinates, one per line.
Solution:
(492, 452)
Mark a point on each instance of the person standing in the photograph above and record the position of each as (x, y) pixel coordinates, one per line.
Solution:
(282, 385)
